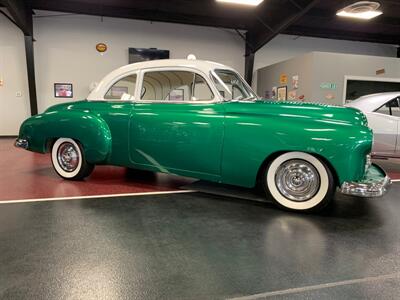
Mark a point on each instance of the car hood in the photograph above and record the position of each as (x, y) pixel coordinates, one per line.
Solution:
(299, 110)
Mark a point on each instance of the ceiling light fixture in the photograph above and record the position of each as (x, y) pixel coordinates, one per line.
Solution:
(365, 10)
(243, 2)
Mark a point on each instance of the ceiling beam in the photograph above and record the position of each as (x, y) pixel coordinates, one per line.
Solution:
(149, 14)
(343, 35)
(21, 14)
(264, 32)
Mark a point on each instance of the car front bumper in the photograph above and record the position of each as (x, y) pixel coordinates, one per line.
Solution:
(21, 143)
(374, 184)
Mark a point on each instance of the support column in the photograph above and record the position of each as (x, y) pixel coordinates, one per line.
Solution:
(248, 62)
(30, 67)
(21, 13)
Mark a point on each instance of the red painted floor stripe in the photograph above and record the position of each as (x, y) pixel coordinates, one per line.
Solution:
(27, 175)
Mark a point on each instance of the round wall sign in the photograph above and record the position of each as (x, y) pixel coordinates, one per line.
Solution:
(101, 47)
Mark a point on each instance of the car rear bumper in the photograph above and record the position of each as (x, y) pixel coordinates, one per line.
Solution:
(374, 184)
(21, 143)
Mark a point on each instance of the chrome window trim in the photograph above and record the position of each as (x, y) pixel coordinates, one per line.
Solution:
(114, 81)
(214, 74)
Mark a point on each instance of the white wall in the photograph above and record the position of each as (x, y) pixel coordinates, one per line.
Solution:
(13, 110)
(316, 68)
(284, 47)
(333, 67)
(65, 48)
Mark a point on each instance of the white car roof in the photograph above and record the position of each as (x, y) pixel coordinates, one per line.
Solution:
(200, 65)
(372, 102)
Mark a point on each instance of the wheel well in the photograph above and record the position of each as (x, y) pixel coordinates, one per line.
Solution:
(264, 164)
(329, 165)
(49, 144)
(274, 155)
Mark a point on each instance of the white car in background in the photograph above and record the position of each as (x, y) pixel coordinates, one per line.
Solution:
(383, 114)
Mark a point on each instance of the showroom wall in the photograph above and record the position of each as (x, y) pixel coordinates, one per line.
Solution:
(333, 67)
(65, 48)
(321, 75)
(284, 47)
(301, 66)
(14, 96)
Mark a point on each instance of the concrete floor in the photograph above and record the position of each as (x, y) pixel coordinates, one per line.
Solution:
(185, 246)
(197, 246)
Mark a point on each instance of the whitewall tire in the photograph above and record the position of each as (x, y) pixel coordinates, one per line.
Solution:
(299, 181)
(69, 160)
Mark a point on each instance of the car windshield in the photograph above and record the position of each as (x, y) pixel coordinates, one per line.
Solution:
(231, 86)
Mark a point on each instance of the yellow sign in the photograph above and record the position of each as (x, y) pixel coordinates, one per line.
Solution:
(101, 47)
(283, 79)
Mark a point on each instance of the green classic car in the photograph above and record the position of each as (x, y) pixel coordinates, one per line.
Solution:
(201, 119)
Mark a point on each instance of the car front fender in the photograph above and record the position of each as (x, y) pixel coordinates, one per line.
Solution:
(343, 146)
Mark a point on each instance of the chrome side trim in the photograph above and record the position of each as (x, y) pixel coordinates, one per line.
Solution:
(21, 143)
(371, 189)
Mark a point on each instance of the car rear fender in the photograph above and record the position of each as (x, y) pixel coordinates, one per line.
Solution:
(90, 130)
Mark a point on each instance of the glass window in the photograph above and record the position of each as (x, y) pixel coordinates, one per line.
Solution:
(201, 90)
(232, 87)
(391, 108)
(357, 88)
(123, 89)
(175, 86)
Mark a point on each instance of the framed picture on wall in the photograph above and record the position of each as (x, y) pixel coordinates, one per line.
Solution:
(282, 93)
(63, 90)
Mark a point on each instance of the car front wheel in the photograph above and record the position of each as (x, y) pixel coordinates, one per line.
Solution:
(69, 160)
(299, 181)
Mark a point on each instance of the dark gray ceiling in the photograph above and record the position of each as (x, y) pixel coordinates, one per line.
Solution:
(317, 18)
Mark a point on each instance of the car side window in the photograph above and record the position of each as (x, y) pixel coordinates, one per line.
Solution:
(123, 89)
(175, 86)
(391, 108)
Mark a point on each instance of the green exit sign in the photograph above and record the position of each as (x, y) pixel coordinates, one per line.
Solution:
(328, 86)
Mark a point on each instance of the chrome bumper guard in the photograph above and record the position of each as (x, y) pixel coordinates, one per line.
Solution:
(21, 143)
(374, 184)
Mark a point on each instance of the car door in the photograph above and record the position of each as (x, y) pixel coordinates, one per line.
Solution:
(115, 108)
(178, 124)
(385, 125)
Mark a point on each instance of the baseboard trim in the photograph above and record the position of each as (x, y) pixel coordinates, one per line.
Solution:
(8, 136)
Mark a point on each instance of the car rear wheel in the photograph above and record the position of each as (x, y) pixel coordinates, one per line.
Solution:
(298, 181)
(69, 160)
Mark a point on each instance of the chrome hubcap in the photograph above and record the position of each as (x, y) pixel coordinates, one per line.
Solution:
(68, 157)
(297, 180)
